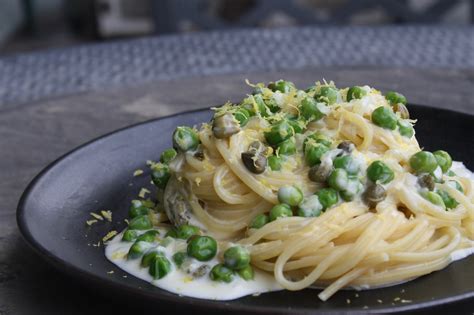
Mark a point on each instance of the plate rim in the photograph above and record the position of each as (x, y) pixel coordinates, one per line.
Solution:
(82, 275)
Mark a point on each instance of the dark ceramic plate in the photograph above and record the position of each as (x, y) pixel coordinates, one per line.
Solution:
(98, 175)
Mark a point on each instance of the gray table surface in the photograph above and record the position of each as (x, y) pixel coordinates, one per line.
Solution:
(35, 133)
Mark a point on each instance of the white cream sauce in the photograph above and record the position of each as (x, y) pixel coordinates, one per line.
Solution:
(182, 283)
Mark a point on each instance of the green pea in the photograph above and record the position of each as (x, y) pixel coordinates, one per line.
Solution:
(395, 98)
(242, 115)
(138, 249)
(455, 184)
(148, 236)
(379, 172)
(263, 110)
(160, 266)
(259, 221)
(354, 187)
(423, 162)
(246, 273)
(348, 163)
(327, 94)
(160, 174)
(287, 147)
(355, 92)
(317, 137)
(298, 125)
(434, 198)
(221, 273)
(137, 208)
(274, 162)
(279, 132)
(184, 231)
(405, 128)
(179, 258)
(450, 173)
(280, 211)
(327, 197)
(291, 195)
(203, 248)
(310, 207)
(444, 160)
(448, 201)
(236, 257)
(312, 110)
(141, 222)
(149, 257)
(282, 86)
(338, 179)
(129, 235)
(314, 152)
(185, 139)
(384, 117)
(272, 105)
(168, 155)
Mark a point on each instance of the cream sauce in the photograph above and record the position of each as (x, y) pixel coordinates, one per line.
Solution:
(182, 283)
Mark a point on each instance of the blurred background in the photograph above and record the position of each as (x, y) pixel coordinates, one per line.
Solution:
(27, 25)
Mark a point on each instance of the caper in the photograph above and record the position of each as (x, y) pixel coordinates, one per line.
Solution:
(346, 146)
(254, 162)
(319, 173)
(426, 181)
(402, 110)
(374, 194)
(199, 155)
(225, 126)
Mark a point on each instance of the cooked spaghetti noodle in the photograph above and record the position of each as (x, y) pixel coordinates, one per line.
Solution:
(396, 214)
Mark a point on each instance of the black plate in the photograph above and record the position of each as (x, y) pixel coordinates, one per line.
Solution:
(53, 210)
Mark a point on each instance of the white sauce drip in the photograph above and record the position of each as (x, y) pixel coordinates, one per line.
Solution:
(181, 283)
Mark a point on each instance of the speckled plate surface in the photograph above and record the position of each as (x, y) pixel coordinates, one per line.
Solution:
(98, 175)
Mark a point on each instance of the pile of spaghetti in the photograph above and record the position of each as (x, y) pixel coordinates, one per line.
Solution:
(324, 187)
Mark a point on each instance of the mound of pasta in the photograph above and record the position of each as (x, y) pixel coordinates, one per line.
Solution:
(290, 189)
